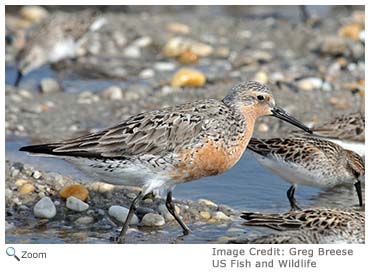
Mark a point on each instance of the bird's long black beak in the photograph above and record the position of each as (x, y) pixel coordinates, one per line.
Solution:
(358, 191)
(282, 114)
(18, 79)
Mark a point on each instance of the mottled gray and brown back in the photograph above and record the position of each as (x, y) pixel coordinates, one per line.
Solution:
(310, 153)
(313, 225)
(161, 133)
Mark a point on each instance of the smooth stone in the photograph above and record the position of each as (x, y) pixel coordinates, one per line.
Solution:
(76, 204)
(309, 84)
(132, 52)
(75, 190)
(206, 202)
(205, 215)
(21, 182)
(36, 174)
(261, 77)
(84, 220)
(152, 220)
(188, 77)
(164, 66)
(263, 127)
(165, 213)
(102, 187)
(178, 28)
(226, 209)
(219, 215)
(147, 73)
(143, 41)
(33, 13)
(112, 93)
(8, 194)
(26, 189)
(120, 214)
(45, 208)
(9, 226)
(351, 31)
(49, 85)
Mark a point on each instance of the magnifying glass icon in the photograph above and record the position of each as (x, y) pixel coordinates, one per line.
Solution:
(10, 251)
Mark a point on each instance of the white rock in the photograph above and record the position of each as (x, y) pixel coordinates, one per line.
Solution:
(206, 202)
(49, 85)
(218, 215)
(84, 220)
(164, 66)
(36, 174)
(113, 93)
(76, 204)
(120, 214)
(143, 41)
(152, 220)
(102, 187)
(44, 208)
(132, 52)
(309, 84)
(147, 73)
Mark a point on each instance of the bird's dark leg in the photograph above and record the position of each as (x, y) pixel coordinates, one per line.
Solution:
(293, 202)
(18, 79)
(171, 208)
(358, 191)
(120, 239)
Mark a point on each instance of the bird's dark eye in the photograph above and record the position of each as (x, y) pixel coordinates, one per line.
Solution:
(260, 97)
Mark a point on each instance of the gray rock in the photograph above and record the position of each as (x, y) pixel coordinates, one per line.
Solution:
(76, 204)
(49, 85)
(226, 209)
(218, 215)
(152, 220)
(120, 214)
(44, 208)
(132, 52)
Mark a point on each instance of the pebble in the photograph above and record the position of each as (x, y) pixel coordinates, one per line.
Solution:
(187, 57)
(44, 208)
(112, 93)
(143, 41)
(75, 190)
(147, 73)
(334, 45)
(26, 189)
(8, 194)
(132, 52)
(351, 31)
(21, 182)
(205, 215)
(76, 204)
(165, 213)
(208, 203)
(178, 28)
(308, 84)
(102, 187)
(25, 93)
(49, 85)
(152, 220)
(164, 66)
(261, 77)
(220, 216)
(36, 174)
(33, 13)
(226, 209)
(177, 45)
(9, 226)
(120, 214)
(263, 127)
(84, 220)
(188, 77)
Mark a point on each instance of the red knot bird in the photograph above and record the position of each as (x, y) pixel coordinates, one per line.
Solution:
(347, 130)
(166, 147)
(309, 161)
(308, 226)
(56, 38)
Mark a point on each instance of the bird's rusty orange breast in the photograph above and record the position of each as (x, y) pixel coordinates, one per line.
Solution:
(212, 157)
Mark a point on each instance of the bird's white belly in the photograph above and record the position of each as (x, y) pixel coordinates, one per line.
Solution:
(62, 49)
(296, 174)
(121, 173)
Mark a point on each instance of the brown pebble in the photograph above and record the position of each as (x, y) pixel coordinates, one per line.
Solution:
(187, 57)
(26, 188)
(75, 190)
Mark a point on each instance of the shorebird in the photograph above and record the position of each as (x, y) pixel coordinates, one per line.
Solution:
(346, 130)
(309, 226)
(309, 161)
(166, 147)
(56, 38)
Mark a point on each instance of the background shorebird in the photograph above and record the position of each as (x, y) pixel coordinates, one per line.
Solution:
(56, 38)
(309, 161)
(309, 226)
(162, 148)
(346, 130)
